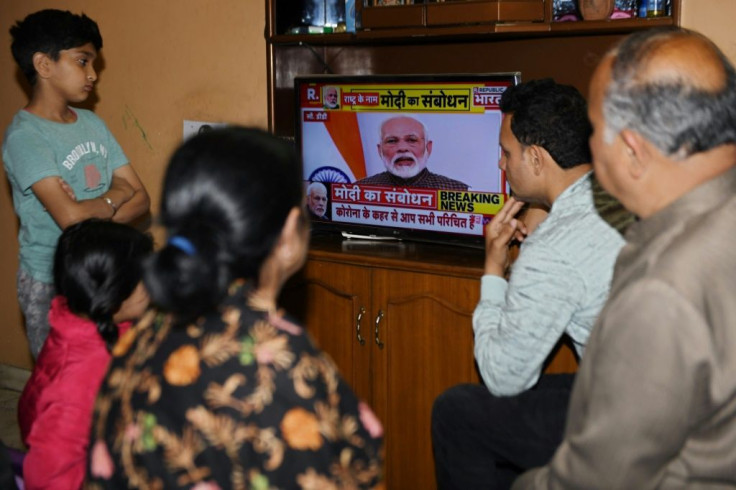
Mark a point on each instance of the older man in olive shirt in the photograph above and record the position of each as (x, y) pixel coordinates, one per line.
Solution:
(654, 403)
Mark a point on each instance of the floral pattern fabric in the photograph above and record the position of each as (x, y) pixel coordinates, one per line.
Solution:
(240, 399)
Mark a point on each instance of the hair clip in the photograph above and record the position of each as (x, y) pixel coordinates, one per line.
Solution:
(183, 244)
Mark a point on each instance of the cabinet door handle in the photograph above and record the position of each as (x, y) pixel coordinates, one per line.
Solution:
(361, 340)
(375, 331)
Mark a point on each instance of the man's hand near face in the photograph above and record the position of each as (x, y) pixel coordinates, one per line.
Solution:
(499, 233)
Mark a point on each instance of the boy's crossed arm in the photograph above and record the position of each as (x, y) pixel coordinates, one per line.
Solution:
(126, 193)
(132, 204)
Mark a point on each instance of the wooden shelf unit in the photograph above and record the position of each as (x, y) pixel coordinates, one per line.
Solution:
(413, 303)
(452, 19)
(397, 320)
(566, 51)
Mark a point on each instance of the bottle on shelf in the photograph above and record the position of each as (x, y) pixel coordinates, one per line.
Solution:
(642, 8)
(321, 16)
(656, 8)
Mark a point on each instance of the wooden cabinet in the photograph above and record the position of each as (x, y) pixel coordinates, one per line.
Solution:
(397, 320)
(333, 300)
(424, 326)
(398, 325)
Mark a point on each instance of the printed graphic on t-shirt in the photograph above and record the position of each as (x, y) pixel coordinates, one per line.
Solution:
(92, 177)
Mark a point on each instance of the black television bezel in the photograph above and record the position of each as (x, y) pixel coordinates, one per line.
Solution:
(376, 232)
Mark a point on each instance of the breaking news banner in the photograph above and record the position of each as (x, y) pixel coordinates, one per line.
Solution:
(424, 209)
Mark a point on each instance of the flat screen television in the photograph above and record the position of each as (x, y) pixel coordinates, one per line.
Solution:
(411, 157)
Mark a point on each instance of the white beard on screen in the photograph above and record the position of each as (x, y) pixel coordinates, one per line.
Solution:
(406, 171)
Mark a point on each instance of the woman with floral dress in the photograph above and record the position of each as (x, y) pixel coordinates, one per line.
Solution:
(216, 387)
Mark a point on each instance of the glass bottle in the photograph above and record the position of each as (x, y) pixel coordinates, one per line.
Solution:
(656, 8)
(313, 13)
(334, 12)
(642, 8)
(323, 13)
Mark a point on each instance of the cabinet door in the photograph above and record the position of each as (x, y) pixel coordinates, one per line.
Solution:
(427, 346)
(417, 14)
(329, 299)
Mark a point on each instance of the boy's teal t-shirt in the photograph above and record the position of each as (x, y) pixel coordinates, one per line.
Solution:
(83, 153)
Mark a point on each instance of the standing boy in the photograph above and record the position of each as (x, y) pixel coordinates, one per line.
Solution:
(63, 163)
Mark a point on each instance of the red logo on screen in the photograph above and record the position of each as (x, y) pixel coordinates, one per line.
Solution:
(312, 94)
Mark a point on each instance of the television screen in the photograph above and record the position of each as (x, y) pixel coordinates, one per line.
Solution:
(408, 157)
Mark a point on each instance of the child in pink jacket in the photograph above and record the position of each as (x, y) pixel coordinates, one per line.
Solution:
(97, 275)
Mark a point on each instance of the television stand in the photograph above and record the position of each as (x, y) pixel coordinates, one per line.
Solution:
(396, 317)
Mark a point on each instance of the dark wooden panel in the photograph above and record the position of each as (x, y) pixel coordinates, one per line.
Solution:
(450, 13)
(446, 260)
(428, 347)
(453, 13)
(330, 299)
(383, 17)
(520, 10)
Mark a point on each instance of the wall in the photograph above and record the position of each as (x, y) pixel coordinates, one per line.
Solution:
(163, 61)
(714, 18)
(168, 60)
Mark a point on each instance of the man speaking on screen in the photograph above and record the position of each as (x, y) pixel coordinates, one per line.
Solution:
(404, 148)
